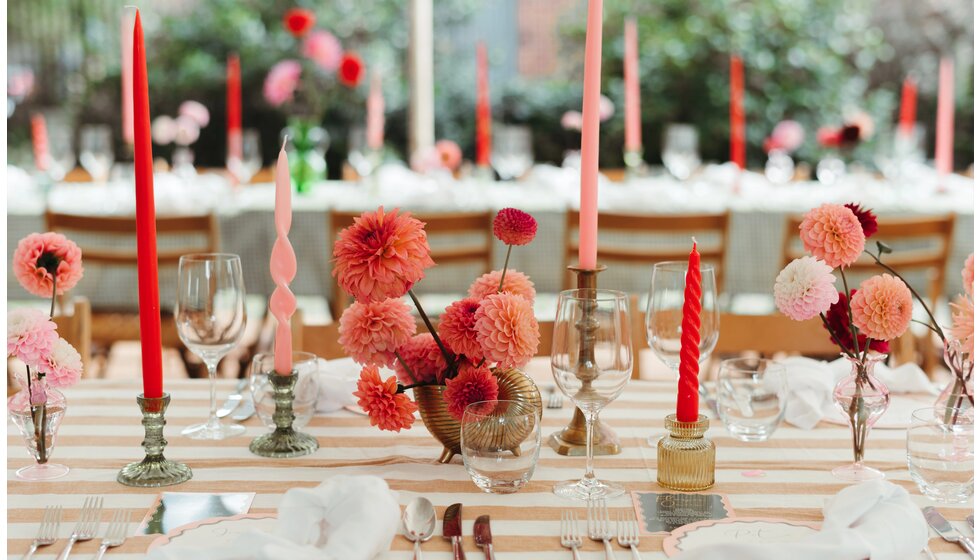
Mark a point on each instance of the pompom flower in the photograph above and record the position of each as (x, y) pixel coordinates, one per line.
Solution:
(30, 335)
(805, 289)
(882, 307)
(281, 82)
(869, 222)
(381, 256)
(833, 234)
(41, 255)
(571, 120)
(472, 384)
(968, 275)
(507, 330)
(514, 227)
(962, 329)
(424, 359)
(371, 331)
(188, 131)
(351, 69)
(457, 328)
(839, 327)
(298, 21)
(195, 110)
(163, 130)
(606, 108)
(324, 49)
(787, 136)
(385, 406)
(63, 367)
(450, 154)
(515, 282)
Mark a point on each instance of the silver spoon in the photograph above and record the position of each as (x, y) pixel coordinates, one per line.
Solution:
(419, 522)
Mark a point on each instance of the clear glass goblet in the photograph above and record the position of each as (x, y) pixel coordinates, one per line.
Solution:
(752, 395)
(940, 453)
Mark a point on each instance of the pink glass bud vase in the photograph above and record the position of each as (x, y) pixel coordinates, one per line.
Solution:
(862, 398)
(958, 394)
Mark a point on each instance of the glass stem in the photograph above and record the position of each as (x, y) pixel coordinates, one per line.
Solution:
(213, 422)
(590, 418)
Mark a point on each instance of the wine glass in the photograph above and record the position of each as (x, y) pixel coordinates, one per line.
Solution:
(61, 154)
(96, 151)
(591, 360)
(512, 154)
(210, 318)
(361, 157)
(680, 153)
(245, 165)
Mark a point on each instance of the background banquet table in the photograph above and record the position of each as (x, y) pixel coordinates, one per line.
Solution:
(102, 431)
(759, 210)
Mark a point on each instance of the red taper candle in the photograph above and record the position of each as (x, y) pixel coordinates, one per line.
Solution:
(687, 385)
(482, 107)
(906, 113)
(146, 227)
(737, 111)
(234, 105)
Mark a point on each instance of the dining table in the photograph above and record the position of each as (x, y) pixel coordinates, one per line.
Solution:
(787, 477)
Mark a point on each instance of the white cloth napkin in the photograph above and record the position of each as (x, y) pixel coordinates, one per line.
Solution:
(345, 518)
(338, 381)
(875, 519)
(811, 386)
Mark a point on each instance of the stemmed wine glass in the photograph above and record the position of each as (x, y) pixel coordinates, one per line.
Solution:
(513, 153)
(591, 360)
(210, 318)
(244, 166)
(96, 151)
(665, 313)
(680, 152)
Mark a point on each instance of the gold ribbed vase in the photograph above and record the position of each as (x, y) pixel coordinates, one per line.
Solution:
(513, 385)
(685, 458)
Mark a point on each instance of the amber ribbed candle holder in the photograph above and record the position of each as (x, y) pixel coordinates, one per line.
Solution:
(685, 458)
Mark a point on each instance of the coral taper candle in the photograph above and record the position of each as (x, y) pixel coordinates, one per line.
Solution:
(588, 223)
(126, 76)
(39, 141)
(482, 107)
(687, 384)
(146, 225)
(944, 119)
(906, 112)
(282, 267)
(375, 125)
(233, 102)
(631, 75)
(737, 111)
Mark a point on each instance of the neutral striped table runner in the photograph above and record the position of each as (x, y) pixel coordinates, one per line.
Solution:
(102, 432)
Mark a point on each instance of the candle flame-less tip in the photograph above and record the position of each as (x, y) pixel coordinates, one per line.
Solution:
(284, 140)
(695, 240)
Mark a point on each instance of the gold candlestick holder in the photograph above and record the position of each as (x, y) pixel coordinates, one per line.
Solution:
(571, 440)
(685, 458)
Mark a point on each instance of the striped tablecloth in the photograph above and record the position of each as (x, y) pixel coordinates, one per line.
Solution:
(102, 432)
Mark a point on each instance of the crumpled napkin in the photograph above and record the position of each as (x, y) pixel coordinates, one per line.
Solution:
(337, 383)
(811, 386)
(875, 519)
(346, 518)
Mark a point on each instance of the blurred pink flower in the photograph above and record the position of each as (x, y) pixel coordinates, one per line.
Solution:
(606, 108)
(426, 160)
(63, 367)
(31, 335)
(968, 275)
(515, 282)
(40, 254)
(188, 131)
(450, 155)
(164, 130)
(962, 329)
(371, 331)
(472, 384)
(196, 111)
(882, 307)
(424, 359)
(571, 120)
(787, 136)
(457, 328)
(20, 82)
(833, 234)
(281, 82)
(324, 49)
(507, 330)
(863, 121)
(805, 289)
(385, 406)
(514, 227)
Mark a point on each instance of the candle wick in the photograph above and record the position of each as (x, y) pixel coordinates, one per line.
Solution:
(284, 140)
(694, 240)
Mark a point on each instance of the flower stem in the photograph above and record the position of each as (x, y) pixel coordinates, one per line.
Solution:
(54, 293)
(833, 335)
(850, 315)
(503, 272)
(408, 370)
(932, 318)
(428, 325)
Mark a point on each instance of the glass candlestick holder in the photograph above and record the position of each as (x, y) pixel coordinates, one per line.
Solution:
(154, 470)
(283, 441)
(685, 458)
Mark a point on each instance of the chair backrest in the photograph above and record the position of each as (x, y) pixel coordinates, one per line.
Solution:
(919, 245)
(771, 334)
(716, 225)
(449, 237)
(74, 320)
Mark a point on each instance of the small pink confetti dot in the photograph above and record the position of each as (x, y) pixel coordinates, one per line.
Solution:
(754, 473)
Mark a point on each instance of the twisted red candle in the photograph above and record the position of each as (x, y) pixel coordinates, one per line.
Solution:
(687, 385)
(737, 112)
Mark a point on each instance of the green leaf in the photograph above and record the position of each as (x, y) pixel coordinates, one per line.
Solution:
(883, 248)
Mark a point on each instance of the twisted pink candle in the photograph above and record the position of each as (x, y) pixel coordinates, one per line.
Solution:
(282, 266)
(687, 384)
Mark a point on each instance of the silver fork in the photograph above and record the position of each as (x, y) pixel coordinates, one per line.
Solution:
(86, 526)
(600, 527)
(570, 537)
(47, 533)
(115, 534)
(554, 398)
(628, 534)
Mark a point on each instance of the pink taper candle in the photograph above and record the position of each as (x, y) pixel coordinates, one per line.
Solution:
(631, 75)
(944, 119)
(282, 266)
(375, 114)
(588, 224)
(126, 74)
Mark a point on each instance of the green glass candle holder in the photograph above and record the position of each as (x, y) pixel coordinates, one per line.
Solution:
(284, 441)
(154, 470)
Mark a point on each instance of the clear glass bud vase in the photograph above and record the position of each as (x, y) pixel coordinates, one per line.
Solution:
(38, 420)
(862, 398)
(958, 394)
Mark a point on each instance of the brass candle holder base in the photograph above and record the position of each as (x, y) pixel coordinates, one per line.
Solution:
(154, 470)
(685, 458)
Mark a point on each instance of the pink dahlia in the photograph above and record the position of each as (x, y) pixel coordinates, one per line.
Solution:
(386, 407)
(839, 327)
(457, 328)
(40, 256)
(281, 82)
(507, 330)
(472, 384)
(63, 367)
(968, 275)
(424, 359)
(381, 256)
(324, 49)
(805, 289)
(833, 234)
(869, 222)
(372, 331)
(962, 329)
(30, 335)
(514, 227)
(515, 282)
(882, 307)
(450, 154)
(787, 135)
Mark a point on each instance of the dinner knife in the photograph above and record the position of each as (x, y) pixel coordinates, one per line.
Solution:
(481, 530)
(233, 400)
(452, 529)
(945, 530)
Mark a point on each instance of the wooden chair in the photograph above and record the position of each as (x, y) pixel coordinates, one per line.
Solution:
(716, 224)
(772, 334)
(447, 226)
(74, 320)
